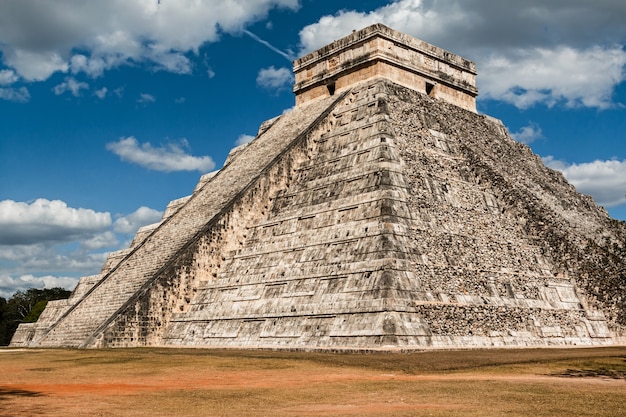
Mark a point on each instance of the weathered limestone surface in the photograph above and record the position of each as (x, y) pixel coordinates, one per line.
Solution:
(378, 51)
(399, 221)
(379, 217)
(124, 278)
(27, 332)
(390, 239)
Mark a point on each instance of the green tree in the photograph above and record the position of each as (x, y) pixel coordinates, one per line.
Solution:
(4, 320)
(35, 312)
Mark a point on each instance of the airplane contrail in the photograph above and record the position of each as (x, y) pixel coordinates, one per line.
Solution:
(285, 55)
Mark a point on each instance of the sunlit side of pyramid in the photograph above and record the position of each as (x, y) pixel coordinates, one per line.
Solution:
(382, 212)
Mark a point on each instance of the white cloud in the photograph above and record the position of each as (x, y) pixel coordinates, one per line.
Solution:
(276, 79)
(20, 95)
(146, 98)
(45, 220)
(18, 253)
(528, 134)
(33, 65)
(168, 158)
(605, 181)
(101, 240)
(67, 258)
(72, 85)
(40, 38)
(141, 217)
(55, 260)
(45, 238)
(408, 16)
(101, 93)
(8, 77)
(549, 76)
(243, 139)
(93, 67)
(9, 285)
(528, 52)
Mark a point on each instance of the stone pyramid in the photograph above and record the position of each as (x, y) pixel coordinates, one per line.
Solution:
(382, 212)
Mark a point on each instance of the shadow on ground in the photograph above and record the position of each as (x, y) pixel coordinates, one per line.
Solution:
(7, 393)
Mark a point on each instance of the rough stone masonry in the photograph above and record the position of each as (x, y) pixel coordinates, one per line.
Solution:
(382, 212)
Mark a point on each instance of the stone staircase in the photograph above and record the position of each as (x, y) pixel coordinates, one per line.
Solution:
(137, 265)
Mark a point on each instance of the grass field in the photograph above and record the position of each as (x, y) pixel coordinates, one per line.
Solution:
(190, 382)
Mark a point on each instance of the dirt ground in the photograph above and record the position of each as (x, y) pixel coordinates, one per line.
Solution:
(195, 382)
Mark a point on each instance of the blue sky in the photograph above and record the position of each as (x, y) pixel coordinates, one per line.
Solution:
(109, 110)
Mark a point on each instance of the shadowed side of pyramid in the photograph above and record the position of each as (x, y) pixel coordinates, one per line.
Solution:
(498, 240)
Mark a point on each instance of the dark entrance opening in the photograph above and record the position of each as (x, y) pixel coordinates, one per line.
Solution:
(331, 88)
(429, 88)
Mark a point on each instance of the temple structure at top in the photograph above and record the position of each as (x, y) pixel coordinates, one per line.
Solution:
(379, 51)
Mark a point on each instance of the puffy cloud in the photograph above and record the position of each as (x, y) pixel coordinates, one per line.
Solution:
(243, 139)
(9, 285)
(548, 76)
(527, 52)
(20, 95)
(39, 38)
(72, 85)
(141, 217)
(469, 24)
(8, 77)
(101, 93)
(168, 158)
(605, 181)
(48, 258)
(528, 134)
(556, 164)
(33, 66)
(47, 221)
(330, 28)
(145, 98)
(99, 241)
(275, 79)
(18, 253)
(47, 237)
(93, 67)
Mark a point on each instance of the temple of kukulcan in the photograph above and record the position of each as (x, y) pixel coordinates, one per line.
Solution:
(381, 213)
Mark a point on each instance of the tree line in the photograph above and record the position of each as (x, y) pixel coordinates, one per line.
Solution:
(25, 307)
